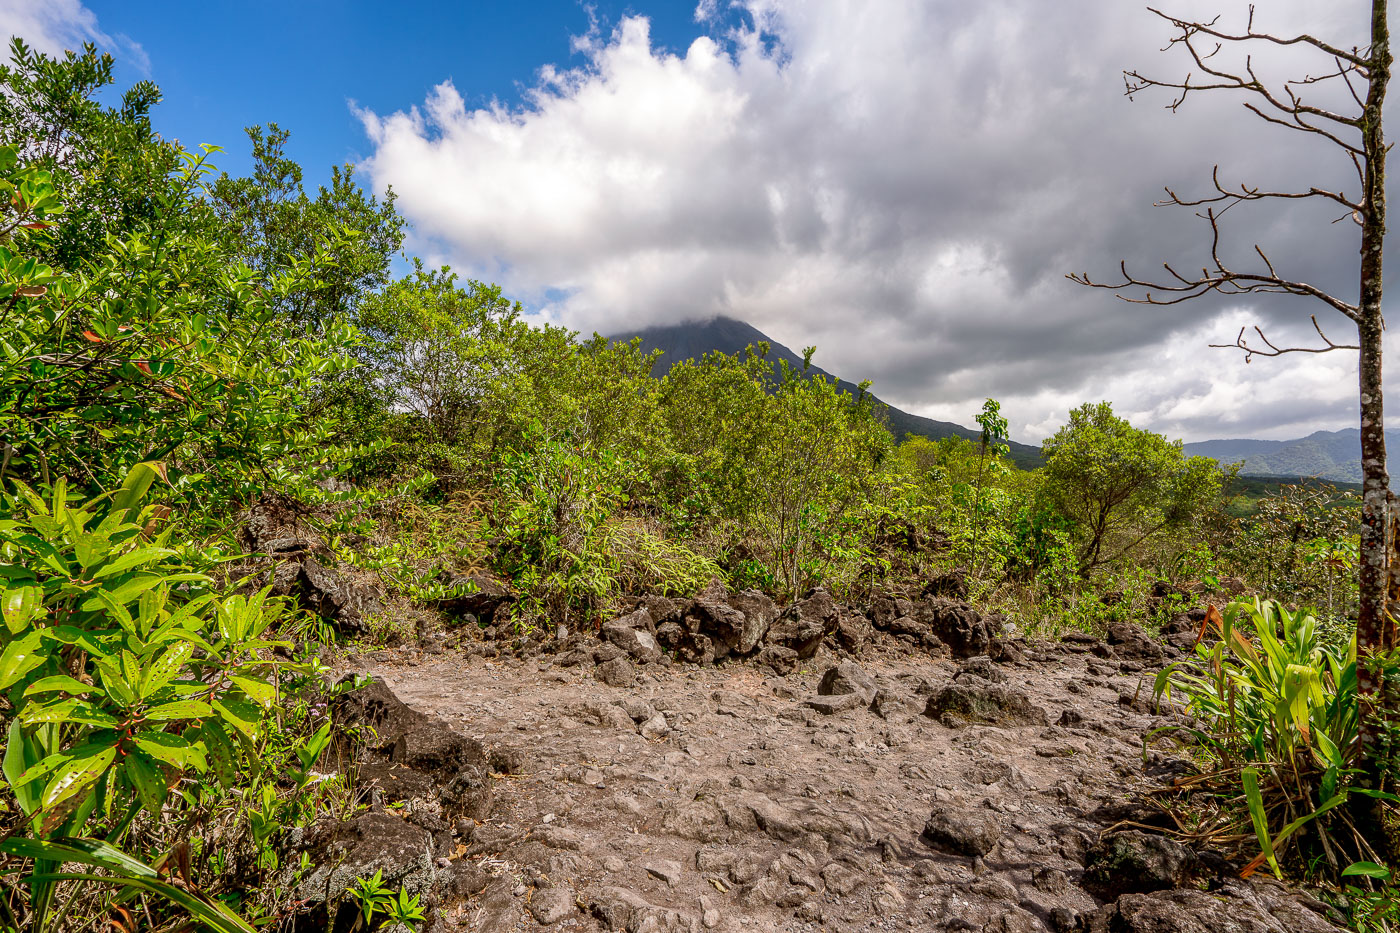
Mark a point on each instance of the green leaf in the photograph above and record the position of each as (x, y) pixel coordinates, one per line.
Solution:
(126, 501)
(128, 872)
(169, 748)
(76, 775)
(1259, 817)
(20, 657)
(258, 690)
(244, 716)
(146, 778)
(222, 755)
(60, 683)
(21, 753)
(138, 557)
(1366, 870)
(20, 607)
(160, 673)
(179, 709)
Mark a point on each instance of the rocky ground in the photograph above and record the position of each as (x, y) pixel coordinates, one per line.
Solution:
(905, 767)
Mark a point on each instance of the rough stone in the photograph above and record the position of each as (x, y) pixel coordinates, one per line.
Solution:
(956, 624)
(618, 672)
(848, 677)
(967, 832)
(967, 703)
(1135, 862)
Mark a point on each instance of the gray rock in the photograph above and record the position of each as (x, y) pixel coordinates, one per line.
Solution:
(967, 703)
(956, 624)
(631, 634)
(980, 666)
(664, 869)
(552, 905)
(831, 705)
(805, 623)
(1132, 643)
(1135, 862)
(848, 677)
(655, 728)
(1239, 909)
(618, 672)
(973, 833)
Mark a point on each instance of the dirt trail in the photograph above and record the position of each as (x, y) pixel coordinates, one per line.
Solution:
(716, 798)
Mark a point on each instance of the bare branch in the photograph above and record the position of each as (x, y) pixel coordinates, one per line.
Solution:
(1220, 279)
(1246, 193)
(1271, 349)
(1354, 56)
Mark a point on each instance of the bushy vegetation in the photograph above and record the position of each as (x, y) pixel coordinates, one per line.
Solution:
(176, 344)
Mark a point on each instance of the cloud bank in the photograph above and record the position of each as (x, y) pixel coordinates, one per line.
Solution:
(903, 184)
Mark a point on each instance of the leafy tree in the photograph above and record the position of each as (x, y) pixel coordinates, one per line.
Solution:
(1121, 485)
(271, 225)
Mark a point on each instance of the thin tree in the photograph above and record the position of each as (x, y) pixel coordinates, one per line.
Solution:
(1360, 76)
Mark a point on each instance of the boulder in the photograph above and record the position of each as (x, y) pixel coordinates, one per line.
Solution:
(340, 851)
(1132, 643)
(956, 624)
(616, 673)
(805, 623)
(481, 595)
(848, 677)
(885, 609)
(634, 634)
(759, 614)
(1134, 862)
(968, 702)
(853, 631)
(1240, 909)
(972, 833)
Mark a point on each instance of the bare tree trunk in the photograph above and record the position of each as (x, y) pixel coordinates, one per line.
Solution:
(1374, 628)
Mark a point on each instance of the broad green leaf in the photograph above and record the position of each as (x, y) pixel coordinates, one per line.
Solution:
(1259, 817)
(165, 667)
(60, 683)
(172, 749)
(259, 691)
(76, 775)
(21, 606)
(20, 657)
(179, 709)
(146, 778)
(136, 558)
(21, 753)
(242, 715)
(222, 755)
(1366, 870)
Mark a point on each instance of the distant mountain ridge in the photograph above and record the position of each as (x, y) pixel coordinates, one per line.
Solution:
(1329, 455)
(692, 340)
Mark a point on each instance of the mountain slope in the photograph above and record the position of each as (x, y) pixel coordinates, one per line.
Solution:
(1330, 455)
(694, 339)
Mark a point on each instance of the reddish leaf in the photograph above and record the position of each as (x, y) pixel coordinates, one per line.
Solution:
(91, 337)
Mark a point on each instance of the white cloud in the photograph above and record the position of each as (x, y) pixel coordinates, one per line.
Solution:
(903, 184)
(56, 26)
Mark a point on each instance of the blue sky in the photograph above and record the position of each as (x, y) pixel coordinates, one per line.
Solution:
(226, 65)
(902, 183)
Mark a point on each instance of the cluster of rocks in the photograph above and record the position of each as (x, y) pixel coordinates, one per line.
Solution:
(718, 625)
(426, 784)
(297, 563)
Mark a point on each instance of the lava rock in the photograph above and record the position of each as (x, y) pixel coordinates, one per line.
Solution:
(631, 633)
(618, 672)
(805, 623)
(848, 677)
(1133, 643)
(968, 832)
(967, 703)
(1134, 862)
(956, 624)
